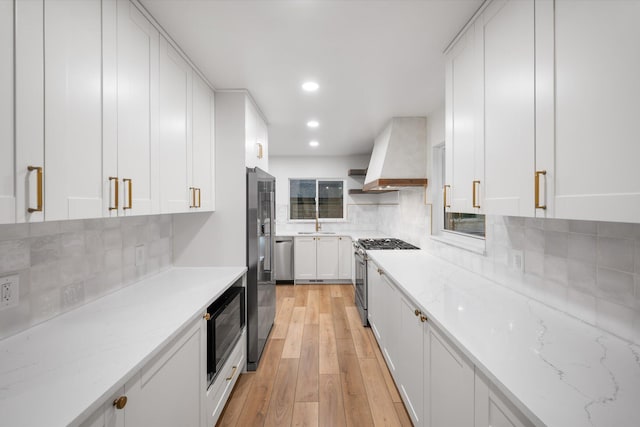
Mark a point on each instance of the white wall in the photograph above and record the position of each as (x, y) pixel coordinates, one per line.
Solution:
(361, 209)
(219, 238)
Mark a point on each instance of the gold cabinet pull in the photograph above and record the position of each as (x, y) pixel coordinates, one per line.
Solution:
(536, 187)
(120, 402)
(206, 317)
(260, 154)
(129, 181)
(380, 272)
(476, 183)
(39, 190)
(233, 372)
(417, 312)
(199, 197)
(445, 196)
(192, 190)
(423, 318)
(117, 197)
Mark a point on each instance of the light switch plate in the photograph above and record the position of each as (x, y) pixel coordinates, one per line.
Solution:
(9, 291)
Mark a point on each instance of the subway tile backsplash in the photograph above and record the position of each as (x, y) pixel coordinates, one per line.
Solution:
(64, 264)
(589, 269)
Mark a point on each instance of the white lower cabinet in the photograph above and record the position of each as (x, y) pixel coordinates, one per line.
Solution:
(492, 409)
(322, 258)
(166, 392)
(448, 383)
(218, 393)
(439, 386)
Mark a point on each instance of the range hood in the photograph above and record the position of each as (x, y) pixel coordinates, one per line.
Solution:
(399, 157)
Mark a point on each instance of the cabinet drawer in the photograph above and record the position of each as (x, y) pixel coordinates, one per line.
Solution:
(219, 392)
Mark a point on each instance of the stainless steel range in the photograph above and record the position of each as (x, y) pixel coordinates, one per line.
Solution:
(360, 251)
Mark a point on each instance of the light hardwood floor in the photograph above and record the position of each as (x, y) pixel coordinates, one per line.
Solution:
(320, 367)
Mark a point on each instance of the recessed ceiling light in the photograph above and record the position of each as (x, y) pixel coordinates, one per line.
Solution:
(314, 143)
(313, 123)
(310, 86)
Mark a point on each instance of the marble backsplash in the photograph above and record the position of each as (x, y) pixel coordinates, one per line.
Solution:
(359, 218)
(64, 264)
(588, 269)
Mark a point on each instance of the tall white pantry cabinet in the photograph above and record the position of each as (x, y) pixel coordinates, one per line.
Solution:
(92, 129)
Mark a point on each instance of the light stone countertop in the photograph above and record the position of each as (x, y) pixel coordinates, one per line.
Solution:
(354, 235)
(557, 370)
(62, 370)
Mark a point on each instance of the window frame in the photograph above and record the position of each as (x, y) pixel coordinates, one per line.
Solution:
(317, 180)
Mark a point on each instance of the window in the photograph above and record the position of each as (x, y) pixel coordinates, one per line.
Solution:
(324, 196)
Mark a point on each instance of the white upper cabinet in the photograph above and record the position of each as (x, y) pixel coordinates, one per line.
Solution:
(7, 143)
(73, 109)
(130, 152)
(29, 110)
(463, 140)
(509, 107)
(175, 130)
(591, 165)
(202, 177)
(256, 138)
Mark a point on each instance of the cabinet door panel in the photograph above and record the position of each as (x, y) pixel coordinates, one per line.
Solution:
(7, 143)
(203, 143)
(175, 130)
(374, 303)
(137, 93)
(412, 365)
(304, 258)
(492, 410)
(451, 385)
(462, 151)
(29, 105)
(73, 109)
(597, 106)
(327, 258)
(345, 258)
(390, 324)
(167, 392)
(508, 36)
(107, 415)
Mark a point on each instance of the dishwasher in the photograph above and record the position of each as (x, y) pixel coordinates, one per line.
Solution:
(284, 259)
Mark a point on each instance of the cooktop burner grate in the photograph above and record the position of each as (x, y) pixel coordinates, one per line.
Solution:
(383, 244)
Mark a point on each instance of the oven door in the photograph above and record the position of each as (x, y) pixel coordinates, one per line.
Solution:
(361, 286)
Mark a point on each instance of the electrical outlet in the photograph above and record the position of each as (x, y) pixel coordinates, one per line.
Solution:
(141, 255)
(517, 260)
(9, 291)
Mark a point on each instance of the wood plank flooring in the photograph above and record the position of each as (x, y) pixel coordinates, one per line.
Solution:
(320, 367)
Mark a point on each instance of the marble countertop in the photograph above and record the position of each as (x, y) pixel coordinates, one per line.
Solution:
(557, 370)
(62, 370)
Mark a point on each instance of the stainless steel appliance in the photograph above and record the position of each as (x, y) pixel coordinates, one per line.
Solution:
(284, 259)
(261, 291)
(360, 254)
(225, 321)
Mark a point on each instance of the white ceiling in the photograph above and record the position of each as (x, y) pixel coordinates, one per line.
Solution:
(373, 60)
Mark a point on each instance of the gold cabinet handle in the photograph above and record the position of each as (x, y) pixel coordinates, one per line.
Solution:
(417, 312)
(192, 190)
(117, 197)
(129, 181)
(445, 196)
(260, 154)
(537, 189)
(199, 198)
(380, 272)
(206, 317)
(233, 372)
(120, 402)
(39, 190)
(476, 184)
(423, 318)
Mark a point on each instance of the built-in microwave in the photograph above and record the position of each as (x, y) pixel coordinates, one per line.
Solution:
(224, 328)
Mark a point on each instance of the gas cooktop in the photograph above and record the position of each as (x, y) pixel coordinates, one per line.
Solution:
(382, 244)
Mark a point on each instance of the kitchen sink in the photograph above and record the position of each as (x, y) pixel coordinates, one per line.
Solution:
(326, 232)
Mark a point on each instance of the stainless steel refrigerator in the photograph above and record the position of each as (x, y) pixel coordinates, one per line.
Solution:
(261, 278)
